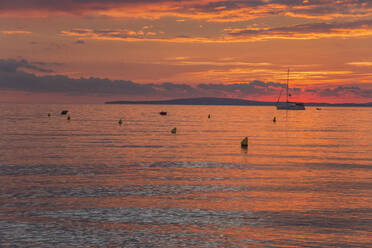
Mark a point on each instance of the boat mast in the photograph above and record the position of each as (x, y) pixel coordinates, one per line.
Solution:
(287, 83)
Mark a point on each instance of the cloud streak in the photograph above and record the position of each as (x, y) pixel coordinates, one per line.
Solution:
(306, 31)
(361, 63)
(354, 29)
(12, 32)
(131, 36)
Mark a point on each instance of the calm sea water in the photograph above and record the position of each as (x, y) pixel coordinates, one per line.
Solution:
(304, 181)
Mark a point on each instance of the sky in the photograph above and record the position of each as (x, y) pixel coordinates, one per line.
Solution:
(96, 51)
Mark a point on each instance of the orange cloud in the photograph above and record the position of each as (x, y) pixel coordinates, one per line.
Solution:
(221, 62)
(15, 32)
(365, 63)
(305, 31)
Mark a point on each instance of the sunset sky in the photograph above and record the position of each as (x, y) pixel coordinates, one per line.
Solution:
(95, 50)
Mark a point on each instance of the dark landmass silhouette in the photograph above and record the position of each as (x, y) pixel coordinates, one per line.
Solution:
(233, 102)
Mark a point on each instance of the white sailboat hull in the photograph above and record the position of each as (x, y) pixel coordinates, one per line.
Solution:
(290, 106)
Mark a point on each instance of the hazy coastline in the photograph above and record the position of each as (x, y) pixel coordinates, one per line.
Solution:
(231, 102)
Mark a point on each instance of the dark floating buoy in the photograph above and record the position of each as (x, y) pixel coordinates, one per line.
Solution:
(174, 130)
(244, 142)
(274, 120)
(68, 117)
(318, 109)
(163, 113)
(209, 116)
(120, 122)
(64, 112)
(49, 114)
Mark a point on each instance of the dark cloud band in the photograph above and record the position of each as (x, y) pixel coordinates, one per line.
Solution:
(13, 77)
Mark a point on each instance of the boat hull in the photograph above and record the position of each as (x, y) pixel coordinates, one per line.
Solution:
(290, 106)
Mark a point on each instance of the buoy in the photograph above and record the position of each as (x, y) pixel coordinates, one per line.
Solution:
(64, 112)
(274, 120)
(174, 130)
(120, 122)
(68, 117)
(49, 114)
(244, 142)
(209, 116)
(163, 113)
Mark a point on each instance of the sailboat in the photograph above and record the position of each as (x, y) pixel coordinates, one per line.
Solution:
(289, 105)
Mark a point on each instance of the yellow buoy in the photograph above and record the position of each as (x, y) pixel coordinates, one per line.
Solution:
(174, 130)
(244, 142)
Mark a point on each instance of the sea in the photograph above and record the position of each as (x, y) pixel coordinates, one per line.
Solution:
(302, 181)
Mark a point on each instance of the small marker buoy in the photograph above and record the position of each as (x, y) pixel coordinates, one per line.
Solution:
(64, 112)
(174, 130)
(49, 114)
(274, 120)
(68, 117)
(244, 142)
(209, 116)
(163, 113)
(120, 122)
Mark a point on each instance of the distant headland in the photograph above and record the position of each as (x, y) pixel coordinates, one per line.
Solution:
(231, 102)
